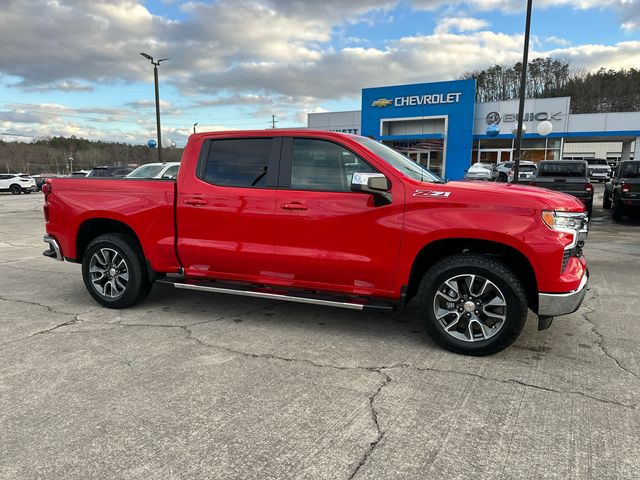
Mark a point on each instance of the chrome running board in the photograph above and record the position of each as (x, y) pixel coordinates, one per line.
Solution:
(252, 291)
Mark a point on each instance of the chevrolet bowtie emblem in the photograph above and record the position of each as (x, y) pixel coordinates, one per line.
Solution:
(381, 102)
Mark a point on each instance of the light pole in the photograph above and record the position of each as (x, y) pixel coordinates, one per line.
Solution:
(194, 127)
(523, 84)
(155, 78)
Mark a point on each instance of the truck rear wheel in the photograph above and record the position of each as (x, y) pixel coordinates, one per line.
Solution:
(472, 304)
(114, 271)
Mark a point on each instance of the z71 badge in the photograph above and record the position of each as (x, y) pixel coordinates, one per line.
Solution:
(430, 193)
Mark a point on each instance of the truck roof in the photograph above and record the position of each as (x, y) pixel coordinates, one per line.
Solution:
(277, 132)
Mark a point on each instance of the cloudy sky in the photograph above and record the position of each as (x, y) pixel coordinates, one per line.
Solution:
(72, 67)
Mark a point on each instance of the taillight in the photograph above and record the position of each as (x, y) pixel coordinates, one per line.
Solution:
(588, 187)
(46, 189)
(625, 188)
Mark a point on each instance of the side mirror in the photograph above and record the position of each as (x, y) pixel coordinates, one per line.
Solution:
(373, 183)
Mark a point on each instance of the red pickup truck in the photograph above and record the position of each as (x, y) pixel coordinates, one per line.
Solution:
(329, 219)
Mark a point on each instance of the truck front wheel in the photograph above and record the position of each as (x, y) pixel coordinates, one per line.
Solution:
(472, 304)
(114, 271)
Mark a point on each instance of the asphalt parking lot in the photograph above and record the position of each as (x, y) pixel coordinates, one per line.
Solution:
(197, 385)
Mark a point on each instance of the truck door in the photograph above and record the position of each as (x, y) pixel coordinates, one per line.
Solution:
(327, 236)
(226, 211)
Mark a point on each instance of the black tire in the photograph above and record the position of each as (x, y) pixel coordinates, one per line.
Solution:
(138, 284)
(590, 208)
(491, 269)
(26, 192)
(502, 177)
(606, 202)
(15, 189)
(617, 210)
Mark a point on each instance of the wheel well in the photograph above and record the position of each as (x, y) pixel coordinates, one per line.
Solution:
(515, 260)
(95, 227)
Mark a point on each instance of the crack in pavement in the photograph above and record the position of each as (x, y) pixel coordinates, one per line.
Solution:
(374, 416)
(379, 369)
(48, 330)
(600, 343)
(16, 245)
(27, 302)
(514, 381)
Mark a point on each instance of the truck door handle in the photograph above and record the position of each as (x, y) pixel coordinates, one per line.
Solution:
(195, 201)
(294, 206)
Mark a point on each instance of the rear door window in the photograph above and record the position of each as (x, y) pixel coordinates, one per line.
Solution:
(630, 170)
(237, 162)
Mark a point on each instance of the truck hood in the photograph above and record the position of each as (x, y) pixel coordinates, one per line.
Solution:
(512, 195)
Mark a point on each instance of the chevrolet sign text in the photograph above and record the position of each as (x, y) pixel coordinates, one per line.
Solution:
(433, 99)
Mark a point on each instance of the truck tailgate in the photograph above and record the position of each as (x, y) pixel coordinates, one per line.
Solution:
(572, 186)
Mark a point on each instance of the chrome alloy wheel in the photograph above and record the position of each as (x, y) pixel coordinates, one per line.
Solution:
(470, 308)
(109, 273)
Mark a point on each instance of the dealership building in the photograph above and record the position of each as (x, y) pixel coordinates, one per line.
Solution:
(441, 126)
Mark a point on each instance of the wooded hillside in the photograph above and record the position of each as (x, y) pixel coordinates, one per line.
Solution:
(52, 155)
(594, 92)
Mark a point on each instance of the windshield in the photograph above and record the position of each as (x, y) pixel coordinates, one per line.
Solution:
(597, 161)
(630, 170)
(146, 171)
(399, 161)
(562, 169)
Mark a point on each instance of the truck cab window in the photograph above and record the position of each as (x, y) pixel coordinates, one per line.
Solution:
(238, 162)
(324, 166)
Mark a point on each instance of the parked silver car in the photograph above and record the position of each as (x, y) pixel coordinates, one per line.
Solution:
(479, 171)
(503, 172)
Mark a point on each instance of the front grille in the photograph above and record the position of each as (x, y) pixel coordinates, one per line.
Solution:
(565, 259)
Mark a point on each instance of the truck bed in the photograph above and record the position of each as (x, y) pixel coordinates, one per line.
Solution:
(146, 205)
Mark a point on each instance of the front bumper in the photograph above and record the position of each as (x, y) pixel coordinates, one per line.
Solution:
(556, 304)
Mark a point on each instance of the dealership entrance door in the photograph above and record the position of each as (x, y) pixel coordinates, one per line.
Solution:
(429, 153)
(494, 156)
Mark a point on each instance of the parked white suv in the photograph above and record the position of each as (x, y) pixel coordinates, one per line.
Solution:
(156, 170)
(17, 184)
(599, 169)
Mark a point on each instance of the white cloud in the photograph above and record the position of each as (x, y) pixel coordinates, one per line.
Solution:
(262, 56)
(557, 41)
(460, 24)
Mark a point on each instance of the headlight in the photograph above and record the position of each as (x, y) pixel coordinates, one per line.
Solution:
(565, 221)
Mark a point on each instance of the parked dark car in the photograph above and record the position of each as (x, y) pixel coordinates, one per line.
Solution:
(566, 176)
(111, 171)
(622, 193)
